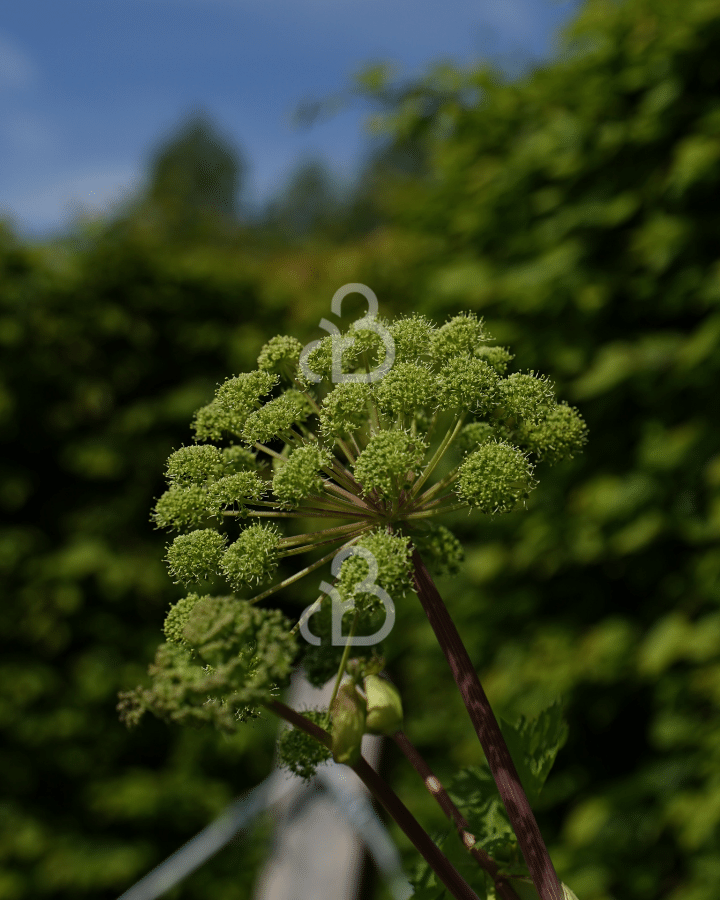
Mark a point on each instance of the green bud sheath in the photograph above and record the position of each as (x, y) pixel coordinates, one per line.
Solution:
(348, 725)
(384, 707)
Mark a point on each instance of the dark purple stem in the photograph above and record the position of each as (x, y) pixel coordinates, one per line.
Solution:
(381, 790)
(503, 888)
(488, 731)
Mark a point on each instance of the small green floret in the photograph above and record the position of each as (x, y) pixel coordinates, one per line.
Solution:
(407, 386)
(195, 556)
(466, 384)
(300, 752)
(235, 491)
(344, 409)
(440, 549)
(242, 393)
(389, 462)
(300, 477)
(214, 421)
(280, 355)
(495, 478)
(177, 618)
(498, 357)
(392, 555)
(560, 435)
(274, 419)
(237, 459)
(181, 507)
(253, 557)
(413, 337)
(527, 397)
(473, 434)
(462, 335)
(194, 465)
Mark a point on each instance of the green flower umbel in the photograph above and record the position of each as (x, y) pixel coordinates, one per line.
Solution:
(359, 458)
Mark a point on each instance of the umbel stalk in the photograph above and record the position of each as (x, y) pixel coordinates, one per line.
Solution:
(381, 790)
(491, 739)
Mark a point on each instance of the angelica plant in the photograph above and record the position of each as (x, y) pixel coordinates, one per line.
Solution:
(288, 443)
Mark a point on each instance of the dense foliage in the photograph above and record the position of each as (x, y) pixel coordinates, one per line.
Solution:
(575, 210)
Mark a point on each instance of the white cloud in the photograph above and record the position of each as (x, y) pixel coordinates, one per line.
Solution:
(17, 69)
(55, 204)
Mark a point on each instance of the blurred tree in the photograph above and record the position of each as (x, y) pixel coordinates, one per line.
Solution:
(307, 204)
(195, 180)
(105, 355)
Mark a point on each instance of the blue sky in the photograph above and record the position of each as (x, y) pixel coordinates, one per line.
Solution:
(89, 88)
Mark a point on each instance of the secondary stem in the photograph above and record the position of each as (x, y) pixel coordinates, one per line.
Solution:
(385, 795)
(503, 888)
(488, 731)
(343, 661)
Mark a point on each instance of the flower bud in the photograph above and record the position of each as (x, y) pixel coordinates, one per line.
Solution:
(348, 725)
(384, 707)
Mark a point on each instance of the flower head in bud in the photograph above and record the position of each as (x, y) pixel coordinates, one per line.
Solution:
(527, 397)
(319, 361)
(406, 387)
(498, 357)
(253, 556)
(465, 383)
(300, 477)
(280, 356)
(181, 508)
(177, 618)
(495, 477)
(194, 465)
(391, 553)
(367, 347)
(389, 461)
(214, 421)
(344, 409)
(473, 434)
(413, 337)
(558, 436)
(235, 491)
(462, 335)
(300, 752)
(237, 459)
(274, 418)
(374, 456)
(232, 634)
(440, 549)
(242, 393)
(252, 653)
(195, 556)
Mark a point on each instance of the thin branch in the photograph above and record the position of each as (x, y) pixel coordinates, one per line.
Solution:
(503, 888)
(306, 571)
(491, 739)
(437, 456)
(385, 795)
(299, 538)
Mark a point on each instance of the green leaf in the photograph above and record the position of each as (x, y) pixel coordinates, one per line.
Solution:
(534, 744)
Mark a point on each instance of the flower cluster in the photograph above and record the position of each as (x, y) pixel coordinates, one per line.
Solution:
(360, 458)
